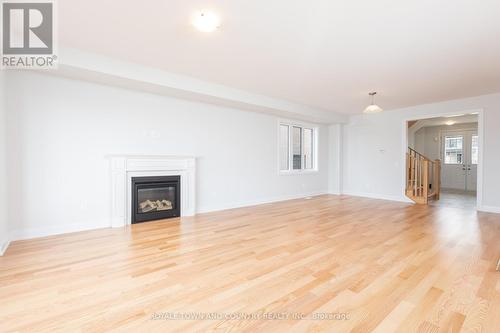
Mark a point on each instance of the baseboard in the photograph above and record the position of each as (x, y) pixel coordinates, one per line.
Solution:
(401, 198)
(57, 230)
(489, 209)
(4, 244)
(104, 223)
(241, 204)
(64, 229)
(334, 192)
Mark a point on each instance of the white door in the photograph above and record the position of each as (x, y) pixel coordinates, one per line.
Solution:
(460, 158)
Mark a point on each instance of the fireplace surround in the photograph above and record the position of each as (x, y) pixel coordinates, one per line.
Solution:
(125, 168)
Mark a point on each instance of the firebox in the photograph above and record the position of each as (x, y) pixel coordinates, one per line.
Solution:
(155, 198)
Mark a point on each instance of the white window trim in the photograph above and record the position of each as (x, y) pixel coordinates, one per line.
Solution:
(472, 135)
(444, 132)
(303, 125)
(444, 148)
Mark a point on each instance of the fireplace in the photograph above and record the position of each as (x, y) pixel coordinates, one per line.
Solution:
(155, 198)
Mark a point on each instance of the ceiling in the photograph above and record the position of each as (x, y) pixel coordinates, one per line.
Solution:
(415, 125)
(441, 121)
(326, 54)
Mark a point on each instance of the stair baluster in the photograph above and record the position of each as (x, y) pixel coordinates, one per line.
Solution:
(423, 181)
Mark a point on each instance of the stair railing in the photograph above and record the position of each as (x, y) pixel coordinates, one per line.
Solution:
(423, 177)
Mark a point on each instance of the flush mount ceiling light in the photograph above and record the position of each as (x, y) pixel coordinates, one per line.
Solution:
(206, 21)
(373, 108)
(450, 123)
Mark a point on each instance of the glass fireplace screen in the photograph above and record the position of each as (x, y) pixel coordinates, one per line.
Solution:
(155, 199)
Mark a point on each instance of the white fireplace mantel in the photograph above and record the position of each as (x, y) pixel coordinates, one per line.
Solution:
(123, 168)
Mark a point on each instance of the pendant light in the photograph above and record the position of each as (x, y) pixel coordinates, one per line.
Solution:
(206, 21)
(373, 108)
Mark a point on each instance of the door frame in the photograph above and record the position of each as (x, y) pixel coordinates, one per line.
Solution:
(480, 133)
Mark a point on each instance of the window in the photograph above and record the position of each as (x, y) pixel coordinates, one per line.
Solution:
(475, 149)
(453, 149)
(297, 146)
(308, 148)
(284, 147)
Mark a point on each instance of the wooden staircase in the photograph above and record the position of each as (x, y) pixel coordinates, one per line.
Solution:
(423, 177)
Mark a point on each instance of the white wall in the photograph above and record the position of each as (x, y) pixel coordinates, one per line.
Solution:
(418, 140)
(335, 159)
(4, 229)
(429, 141)
(373, 148)
(61, 130)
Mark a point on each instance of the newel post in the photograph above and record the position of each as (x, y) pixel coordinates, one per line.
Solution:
(425, 182)
(437, 178)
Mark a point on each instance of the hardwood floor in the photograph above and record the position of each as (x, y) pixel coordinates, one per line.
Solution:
(378, 266)
(456, 198)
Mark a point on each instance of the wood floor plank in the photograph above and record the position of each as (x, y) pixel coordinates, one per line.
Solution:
(328, 264)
